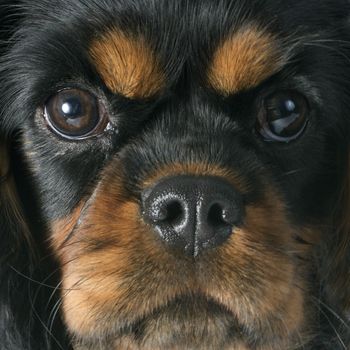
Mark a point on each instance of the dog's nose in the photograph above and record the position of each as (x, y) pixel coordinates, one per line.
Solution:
(193, 213)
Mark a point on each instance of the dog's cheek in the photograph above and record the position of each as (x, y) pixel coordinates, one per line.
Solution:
(256, 274)
(112, 268)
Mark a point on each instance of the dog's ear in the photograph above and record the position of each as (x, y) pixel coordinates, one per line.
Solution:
(16, 247)
(335, 253)
(12, 223)
(338, 261)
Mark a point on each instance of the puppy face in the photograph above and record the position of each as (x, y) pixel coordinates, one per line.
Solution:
(185, 158)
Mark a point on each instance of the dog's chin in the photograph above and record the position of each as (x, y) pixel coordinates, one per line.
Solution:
(188, 322)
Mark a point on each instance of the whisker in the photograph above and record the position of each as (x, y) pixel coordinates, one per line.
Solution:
(33, 308)
(333, 313)
(316, 302)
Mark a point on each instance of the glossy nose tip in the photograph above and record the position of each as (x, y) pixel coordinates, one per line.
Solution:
(192, 213)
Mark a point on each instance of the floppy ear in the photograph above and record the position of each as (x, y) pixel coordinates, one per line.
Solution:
(15, 246)
(13, 228)
(12, 223)
(11, 218)
(335, 254)
(336, 265)
(24, 307)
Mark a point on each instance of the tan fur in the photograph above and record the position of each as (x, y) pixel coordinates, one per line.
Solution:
(127, 64)
(252, 275)
(129, 343)
(244, 60)
(64, 227)
(197, 169)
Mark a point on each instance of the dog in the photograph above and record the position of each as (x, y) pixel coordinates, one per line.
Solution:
(174, 174)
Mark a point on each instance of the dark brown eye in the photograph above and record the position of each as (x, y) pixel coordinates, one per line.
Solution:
(283, 116)
(75, 114)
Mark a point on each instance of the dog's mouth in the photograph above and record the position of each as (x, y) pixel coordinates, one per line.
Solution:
(187, 307)
(191, 320)
(189, 317)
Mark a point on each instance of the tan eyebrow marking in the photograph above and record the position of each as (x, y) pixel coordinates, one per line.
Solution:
(244, 60)
(127, 64)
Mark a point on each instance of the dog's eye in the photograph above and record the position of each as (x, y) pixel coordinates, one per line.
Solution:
(75, 114)
(283, 116)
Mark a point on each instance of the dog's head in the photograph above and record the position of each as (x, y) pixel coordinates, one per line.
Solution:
(185, 165)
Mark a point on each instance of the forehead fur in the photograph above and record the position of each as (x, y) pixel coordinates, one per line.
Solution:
(127, 64)
(243, 60)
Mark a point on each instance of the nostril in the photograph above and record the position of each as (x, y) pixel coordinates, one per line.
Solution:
(216, 216)
(172, 213)
(223, 214)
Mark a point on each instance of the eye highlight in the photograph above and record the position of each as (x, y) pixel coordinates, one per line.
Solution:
(283, 116)
(75, 114)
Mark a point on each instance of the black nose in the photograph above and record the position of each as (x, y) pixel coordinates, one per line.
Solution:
(193, 213)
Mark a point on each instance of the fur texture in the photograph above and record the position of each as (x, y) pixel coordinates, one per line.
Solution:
(181, 88)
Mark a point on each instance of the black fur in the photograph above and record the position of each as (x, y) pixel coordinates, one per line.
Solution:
(44, 47)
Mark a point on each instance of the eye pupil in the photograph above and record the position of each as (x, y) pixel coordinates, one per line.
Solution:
(283, 117)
